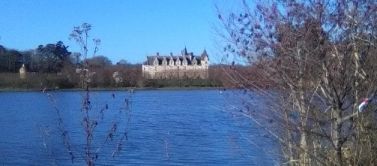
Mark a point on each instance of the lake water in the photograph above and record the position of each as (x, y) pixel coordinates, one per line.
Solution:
(163, 127)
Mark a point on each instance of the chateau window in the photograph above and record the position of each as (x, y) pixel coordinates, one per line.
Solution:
(194, 62)
(177, 62)
(155, 62)
(184, 62)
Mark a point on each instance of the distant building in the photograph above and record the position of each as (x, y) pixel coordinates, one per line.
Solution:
(23, 72)
(186, 65)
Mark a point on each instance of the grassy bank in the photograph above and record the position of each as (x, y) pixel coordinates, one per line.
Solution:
(52, 81)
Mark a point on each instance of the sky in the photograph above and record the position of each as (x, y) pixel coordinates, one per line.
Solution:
(128, 29)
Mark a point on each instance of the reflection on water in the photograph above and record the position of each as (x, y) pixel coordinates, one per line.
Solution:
(169, 127)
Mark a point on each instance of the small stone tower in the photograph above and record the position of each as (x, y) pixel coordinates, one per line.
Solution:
(23, 72)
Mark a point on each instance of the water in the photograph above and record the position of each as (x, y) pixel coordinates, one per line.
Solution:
(165, 127)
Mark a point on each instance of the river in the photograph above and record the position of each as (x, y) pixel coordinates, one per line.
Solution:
(163, 127)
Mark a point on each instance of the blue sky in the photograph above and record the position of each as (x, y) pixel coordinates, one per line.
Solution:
(128, 29)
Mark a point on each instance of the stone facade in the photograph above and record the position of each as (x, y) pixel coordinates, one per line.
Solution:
(23, 72)
(186, 65)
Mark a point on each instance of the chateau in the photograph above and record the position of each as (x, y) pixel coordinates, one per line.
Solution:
(186, 65)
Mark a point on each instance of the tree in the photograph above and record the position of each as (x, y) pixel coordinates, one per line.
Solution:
(50, 58)
(123, 62)
(10, 60)
(26, 57)
(61, 51)
(75, 57)
(99, 62)
(2, 58)
(318, 55)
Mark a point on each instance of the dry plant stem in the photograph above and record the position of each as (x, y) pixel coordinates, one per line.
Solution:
(43, 132)
(81, 36)
(87, 124)
(66, 140)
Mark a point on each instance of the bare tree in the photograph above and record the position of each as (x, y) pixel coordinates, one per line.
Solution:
(318, 56)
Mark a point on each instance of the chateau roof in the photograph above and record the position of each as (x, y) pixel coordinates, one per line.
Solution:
(204, 54)
(150, 59)
(185, 55)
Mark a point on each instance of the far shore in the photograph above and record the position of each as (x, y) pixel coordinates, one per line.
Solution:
(110, 89)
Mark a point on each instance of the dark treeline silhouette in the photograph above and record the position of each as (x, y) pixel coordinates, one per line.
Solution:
(50, 58)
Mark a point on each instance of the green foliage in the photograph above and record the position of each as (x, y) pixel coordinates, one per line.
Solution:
(123, 62)
(99, 62)
(49, 58)
(10, 60)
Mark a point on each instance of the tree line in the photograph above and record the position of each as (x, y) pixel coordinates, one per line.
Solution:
(53, 66)
(49, 58)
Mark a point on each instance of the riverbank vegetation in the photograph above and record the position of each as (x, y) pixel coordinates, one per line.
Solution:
(52, 66)
(103, 79)
(318, 58)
